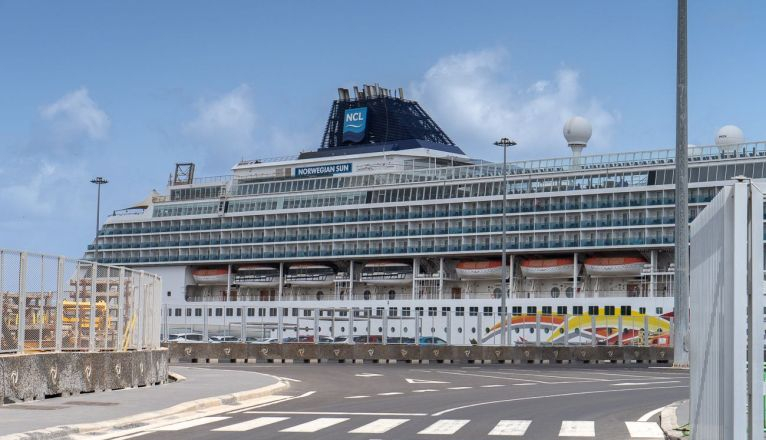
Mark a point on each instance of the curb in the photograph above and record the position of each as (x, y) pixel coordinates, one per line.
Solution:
(669, 422)
(134, 421)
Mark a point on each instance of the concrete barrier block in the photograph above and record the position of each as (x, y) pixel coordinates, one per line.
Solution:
(369, 352)
(301, 352)
(406, 353)
(227, 351)
(583, 354)
(188, 351)
(264, 352)
(117, 372)
(336, 352)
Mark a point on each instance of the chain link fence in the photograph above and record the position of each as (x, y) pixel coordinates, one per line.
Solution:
(50, 303)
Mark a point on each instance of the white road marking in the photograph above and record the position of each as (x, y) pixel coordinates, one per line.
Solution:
(445, 427)
(522, 384)
(251, 424)
(392, 393)
(368, 375)
(425, 390)
(459, 388)
(582, 393)
(189, 423)
(577, 428)
(493, 386)
(650, 414)
(379, 426)
(315, 425)
(335, 413)
(511, 427)
(288, 379)
(269, 400)
(515, 373)
(356, 397)
(648, 430)
(633, 384)
(458, 373)
(423, 381)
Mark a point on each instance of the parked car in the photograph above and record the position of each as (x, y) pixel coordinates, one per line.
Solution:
(254, 340)
(325, 340)
(399, 340)
(221, 339)
(431, 340)
(185, 337)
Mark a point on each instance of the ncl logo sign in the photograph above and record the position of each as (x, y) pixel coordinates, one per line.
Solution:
(354, 124)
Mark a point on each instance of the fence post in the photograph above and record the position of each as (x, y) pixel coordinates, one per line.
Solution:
(384, 321)
(121, 311)
(350, 325)
(449, 327)
(566, 330)
(59, 302)
(279, 321)
(205, 312)
(22, 310)
(619, 330)
(141, 311)
(646, 330)
(243, 331)
(316, 325)
(537, 329)
(92, 313)
(593, 330)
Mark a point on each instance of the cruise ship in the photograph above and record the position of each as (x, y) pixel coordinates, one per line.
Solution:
(390, 231)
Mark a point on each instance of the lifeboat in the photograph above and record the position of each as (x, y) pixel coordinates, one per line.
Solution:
(614, 266)
(308, 275)
(257, 276)
(548, 268)
(387, 273)
(211, 276)
(480, 270)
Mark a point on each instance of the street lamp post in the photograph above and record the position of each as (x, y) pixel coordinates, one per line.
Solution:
(98, 181)
(505, 143)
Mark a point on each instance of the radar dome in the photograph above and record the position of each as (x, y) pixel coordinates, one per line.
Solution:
(729, 135)
(577, 131)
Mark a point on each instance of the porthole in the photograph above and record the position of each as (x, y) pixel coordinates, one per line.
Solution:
(486, 330)
(354, 329)
(366, 294)
(433, 330)
(460, 329)
(319, 329)
(561, 331)
(555, 292)
(445, 330)
(473, 329)
(393, 330)
(343, 329)
(517, 330)
(547, 331)
(380, 329)
(531, 330)
(405, 330)
(320, 295)
(497, 292)
(569, 292)
(391, 294)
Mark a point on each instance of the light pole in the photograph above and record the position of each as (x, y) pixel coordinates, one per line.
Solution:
(98, 181)
(505, 143)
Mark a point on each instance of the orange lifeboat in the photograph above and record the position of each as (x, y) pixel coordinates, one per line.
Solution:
(480, 270)
(548, 268)
(614, 266)
(211, 276)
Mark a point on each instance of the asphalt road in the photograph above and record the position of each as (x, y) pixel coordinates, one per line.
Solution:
(340, 401)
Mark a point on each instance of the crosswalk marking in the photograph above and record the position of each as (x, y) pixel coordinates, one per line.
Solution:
(511, 427)
(647, 430)
(379, 426)
(251, 424)
(577, 428)
(189, 424)
(316, 425)
(445, 427)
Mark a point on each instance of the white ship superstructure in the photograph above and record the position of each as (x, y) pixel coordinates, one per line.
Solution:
(396, 223)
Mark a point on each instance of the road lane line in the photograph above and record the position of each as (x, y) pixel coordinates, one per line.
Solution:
(189, 423)
(633, 384)
(270, 400)
(315, 425)
(251, 424)
(646, 430)
(577, 428)
(511, 427)
(492, 386)
(459, 388)
(337, 413)
(425, 390)
(392, 393)
(444, 427)
(356, 397)
(582, 393)
(379, 426)
(650, 414)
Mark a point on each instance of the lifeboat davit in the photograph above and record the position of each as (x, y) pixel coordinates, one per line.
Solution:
(548, 268)
(257, 276)
(387, 273)
(309, 275)
(211, 276)
(480, 270)
(614, 266)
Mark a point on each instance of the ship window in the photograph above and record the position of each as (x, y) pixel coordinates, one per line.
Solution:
(219, 311)
(391, 294)
(642, 310)
(473, 311)
(459, 311)
(569, 292)
(178, 312)
(418, 311)
(273, 311)
(561, 310)
(405, 311)
(239, 312)
(379, 311)
(658, 310)
(197, 312)
(473, 329)
(432, 311)
(445, 311)
(306, 312)
(392, 311)
(555, 292)
(532, 310)
(547, 310)
(516, 310)
(366, 294)
(625, 310)
(320, 295)
(609, 310)
(593, 310)
(487, 311)
(229, 311)
(250, 311)
(169, 293)
(209, 312)
(188, 312)
(497, 293)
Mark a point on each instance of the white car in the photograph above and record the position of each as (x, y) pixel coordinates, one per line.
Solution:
(185, 337)
(221, 339)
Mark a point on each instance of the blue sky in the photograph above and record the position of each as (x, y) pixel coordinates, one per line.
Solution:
(126, 89)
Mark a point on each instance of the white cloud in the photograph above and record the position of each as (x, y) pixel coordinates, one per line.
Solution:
(76, 114)
(29, 197)
(228, 121)
(472, 101)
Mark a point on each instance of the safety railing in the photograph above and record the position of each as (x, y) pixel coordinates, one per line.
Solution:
(52, 303)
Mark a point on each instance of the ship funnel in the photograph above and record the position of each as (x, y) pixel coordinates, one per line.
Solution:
(577, 132)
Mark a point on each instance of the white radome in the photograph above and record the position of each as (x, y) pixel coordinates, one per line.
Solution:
(729, 135)
(577, 131)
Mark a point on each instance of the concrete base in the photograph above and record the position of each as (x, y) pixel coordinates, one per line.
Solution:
(36, 376)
